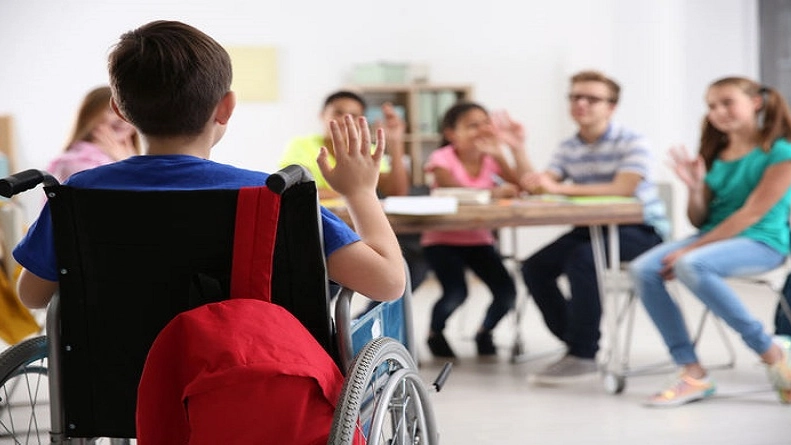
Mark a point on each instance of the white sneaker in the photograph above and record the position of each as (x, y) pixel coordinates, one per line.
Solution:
(566, 370)
(780, 373)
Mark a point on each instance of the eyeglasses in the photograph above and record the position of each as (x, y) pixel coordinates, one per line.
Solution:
(592, 100)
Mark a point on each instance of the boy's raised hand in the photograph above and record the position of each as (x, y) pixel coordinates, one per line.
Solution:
(356, 166)
(374, 267)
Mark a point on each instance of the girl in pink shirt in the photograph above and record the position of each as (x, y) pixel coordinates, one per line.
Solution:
(99, 137)
(471, 155)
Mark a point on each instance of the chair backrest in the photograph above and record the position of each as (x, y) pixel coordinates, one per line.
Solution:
(665, 191)
(131, 261)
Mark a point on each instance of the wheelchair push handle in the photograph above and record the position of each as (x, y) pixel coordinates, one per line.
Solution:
(25, 180)
(284, 178)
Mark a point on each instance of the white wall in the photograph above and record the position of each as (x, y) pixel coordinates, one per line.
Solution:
(663, 52)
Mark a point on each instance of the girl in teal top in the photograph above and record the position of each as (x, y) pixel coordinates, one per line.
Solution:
(739, 190)
(735, 181)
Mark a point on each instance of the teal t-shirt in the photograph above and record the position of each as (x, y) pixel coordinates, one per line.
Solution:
(732, 182)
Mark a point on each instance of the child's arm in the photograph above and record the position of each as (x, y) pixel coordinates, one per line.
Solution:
(373, 267)
(691, 170)
(512, 134)
(396, 182)
(328, 194)
(34, 291)
(624, 184)
(444, 177)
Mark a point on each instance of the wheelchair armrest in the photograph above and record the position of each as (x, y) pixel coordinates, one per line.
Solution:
(386, 319)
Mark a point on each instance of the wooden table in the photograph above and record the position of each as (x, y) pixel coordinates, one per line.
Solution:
(516, 213)
(595, 214)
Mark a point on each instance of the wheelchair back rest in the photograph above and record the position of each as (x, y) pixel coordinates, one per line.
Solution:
(131, 261)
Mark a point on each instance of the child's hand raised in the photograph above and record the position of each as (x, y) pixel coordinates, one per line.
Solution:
(356, 166)
(394, 126)
(690, 169)
(509, 131)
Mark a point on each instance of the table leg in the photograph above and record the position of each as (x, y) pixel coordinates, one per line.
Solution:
(518, 350)
(604, 273)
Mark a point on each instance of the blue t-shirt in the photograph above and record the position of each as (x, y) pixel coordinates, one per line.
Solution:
(732, 182)
(36, 251)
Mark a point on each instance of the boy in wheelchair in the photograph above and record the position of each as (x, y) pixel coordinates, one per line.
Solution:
(182, 110)
(172, 82)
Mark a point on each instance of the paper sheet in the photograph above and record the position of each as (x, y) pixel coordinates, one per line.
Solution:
(421, 205)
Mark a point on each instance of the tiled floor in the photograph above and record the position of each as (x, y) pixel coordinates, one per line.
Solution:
(493, 402)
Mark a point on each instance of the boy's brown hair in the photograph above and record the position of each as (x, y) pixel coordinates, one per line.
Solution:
(598, 76)
(167, 78)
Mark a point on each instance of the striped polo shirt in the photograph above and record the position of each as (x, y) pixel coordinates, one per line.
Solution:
(617, 150)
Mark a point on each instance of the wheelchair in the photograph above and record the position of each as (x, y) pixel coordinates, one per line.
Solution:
(132, 261)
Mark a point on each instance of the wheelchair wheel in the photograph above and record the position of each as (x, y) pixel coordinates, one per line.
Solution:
(24, 393)
(384, 398)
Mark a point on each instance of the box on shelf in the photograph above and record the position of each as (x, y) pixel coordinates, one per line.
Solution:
(427, 109)
(380, 72)
(445, 100)
(418, 73)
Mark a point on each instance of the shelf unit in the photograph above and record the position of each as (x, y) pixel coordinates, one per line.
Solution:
(423, 106)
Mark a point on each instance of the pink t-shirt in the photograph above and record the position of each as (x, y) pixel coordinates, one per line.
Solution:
(446, 158)
(80, 156)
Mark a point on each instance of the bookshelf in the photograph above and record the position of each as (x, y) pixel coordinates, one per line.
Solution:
(422, 106)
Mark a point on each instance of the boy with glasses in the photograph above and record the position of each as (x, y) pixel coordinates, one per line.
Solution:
(601, 159)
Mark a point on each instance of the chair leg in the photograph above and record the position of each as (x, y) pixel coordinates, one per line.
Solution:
(785, 306)
(731, 360)
(617, 367)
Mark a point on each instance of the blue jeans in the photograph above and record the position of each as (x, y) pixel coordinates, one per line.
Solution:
(576, 320)
(703, 272)
(449, 264)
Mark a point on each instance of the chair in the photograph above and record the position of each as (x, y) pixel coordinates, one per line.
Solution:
(132, 262)
(621, 306)
(617, 283)
(623, 302)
